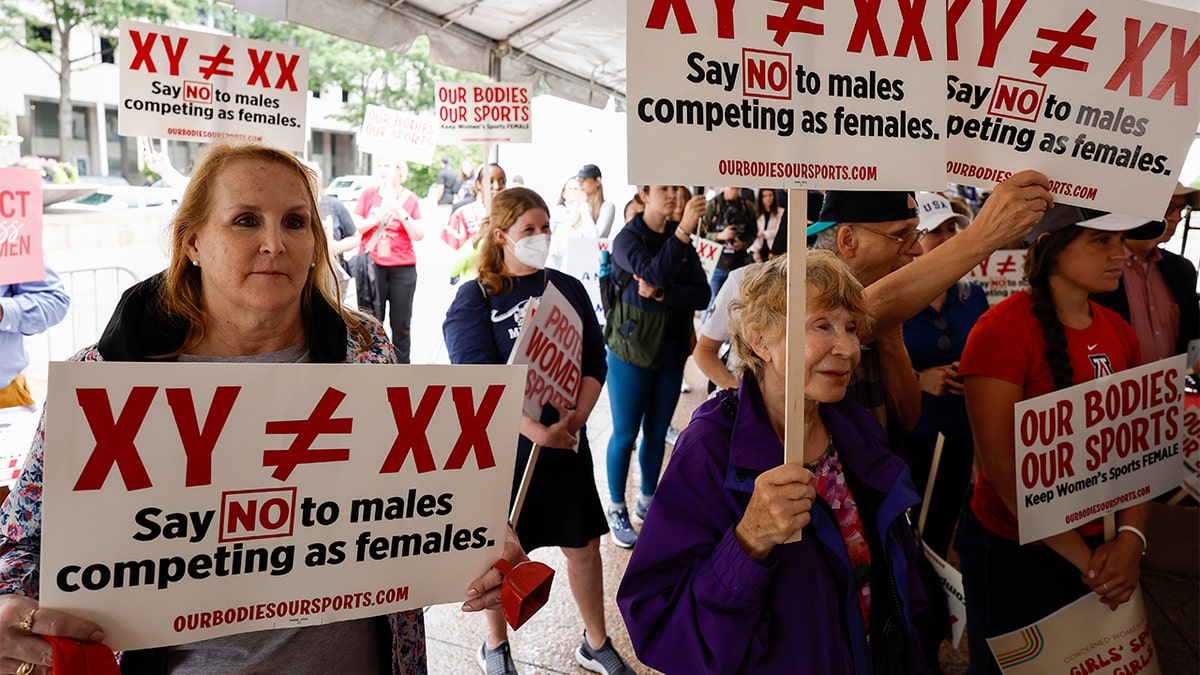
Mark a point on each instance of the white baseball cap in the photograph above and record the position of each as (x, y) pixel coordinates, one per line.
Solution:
(934, 209)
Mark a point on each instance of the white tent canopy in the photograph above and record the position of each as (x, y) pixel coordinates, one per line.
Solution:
(574, 48)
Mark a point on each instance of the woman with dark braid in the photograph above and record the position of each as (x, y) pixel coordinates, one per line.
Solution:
(1034, 343)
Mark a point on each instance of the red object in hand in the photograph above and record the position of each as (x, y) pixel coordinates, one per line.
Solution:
(525, 589)
(72, 657)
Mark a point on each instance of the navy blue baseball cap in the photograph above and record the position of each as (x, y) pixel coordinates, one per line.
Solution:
(862, 206)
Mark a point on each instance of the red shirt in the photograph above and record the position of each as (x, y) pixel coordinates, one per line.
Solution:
(1006, 343)
(401, 253)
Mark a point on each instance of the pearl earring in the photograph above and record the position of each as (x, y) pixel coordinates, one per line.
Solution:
(195, 263)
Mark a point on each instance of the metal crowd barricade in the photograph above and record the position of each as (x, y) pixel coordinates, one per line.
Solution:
(94, 294)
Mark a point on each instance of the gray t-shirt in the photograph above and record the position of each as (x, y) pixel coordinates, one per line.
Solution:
(342, 647)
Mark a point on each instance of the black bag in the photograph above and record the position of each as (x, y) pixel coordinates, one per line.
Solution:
(610, 289)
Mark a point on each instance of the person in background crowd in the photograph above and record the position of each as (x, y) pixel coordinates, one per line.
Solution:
(26, 308)
(713, 588)
(466, 182)
(771, 218)
(467, 219)
(391, 222)
(732, 221)
(446, 185)
(649, 333)
(562, 507)
(1157, 291)
(712, 353)
(247, 207)
(683, 195)
(633, 207)
(1034, 343)
(935, 338)
(598, 214)
(876, 233)
(568, 222)
(340, 234)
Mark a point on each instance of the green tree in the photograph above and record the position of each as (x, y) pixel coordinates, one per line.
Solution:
(68, 15)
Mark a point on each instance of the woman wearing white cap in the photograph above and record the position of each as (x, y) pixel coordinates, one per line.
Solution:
(1037, 342)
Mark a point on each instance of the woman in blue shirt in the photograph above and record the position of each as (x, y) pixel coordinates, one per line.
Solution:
(562, 507)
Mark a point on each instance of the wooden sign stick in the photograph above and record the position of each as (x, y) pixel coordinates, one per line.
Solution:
(797, 308)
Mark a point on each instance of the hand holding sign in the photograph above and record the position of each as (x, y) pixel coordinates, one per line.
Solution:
(21, 644)
(1114, 569)
(779, 508)
(1016, 205)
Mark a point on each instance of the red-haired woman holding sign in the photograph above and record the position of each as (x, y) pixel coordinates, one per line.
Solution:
(562, 507)
(1036, 342)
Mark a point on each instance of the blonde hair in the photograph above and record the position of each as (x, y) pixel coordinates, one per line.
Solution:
(180, 296)
(759, 314)
(507, 206)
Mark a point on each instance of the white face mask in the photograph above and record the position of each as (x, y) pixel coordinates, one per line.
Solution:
(532, 250)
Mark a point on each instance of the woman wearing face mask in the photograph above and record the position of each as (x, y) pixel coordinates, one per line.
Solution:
(562, 507)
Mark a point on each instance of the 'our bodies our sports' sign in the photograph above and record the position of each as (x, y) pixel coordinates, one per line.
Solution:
(21, 226)
(221, 498)
(1102, 98)
(484, 112)
(1097, 447)
(398, 134)
(787, 94)
(188, 85)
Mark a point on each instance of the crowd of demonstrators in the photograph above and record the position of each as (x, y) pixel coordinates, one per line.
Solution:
(562, 507)
(935, 338)
(598, 213)
(390, 222)
(649, 335)
(1157, 289)
(729, 219)
(246, 208)
(26, 308)
(710, 587)
(1033, 343)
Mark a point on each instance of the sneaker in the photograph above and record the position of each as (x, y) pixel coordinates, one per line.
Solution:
(639, 510)
(605, 660)
(496, 661)
(622, 531)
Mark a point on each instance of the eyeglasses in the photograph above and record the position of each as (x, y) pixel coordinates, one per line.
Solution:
(943, 341)
(906, 242)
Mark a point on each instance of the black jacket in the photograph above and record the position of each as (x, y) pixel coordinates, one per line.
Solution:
(1180, 275)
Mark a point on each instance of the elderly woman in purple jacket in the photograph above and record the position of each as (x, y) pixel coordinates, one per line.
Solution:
(712, 586)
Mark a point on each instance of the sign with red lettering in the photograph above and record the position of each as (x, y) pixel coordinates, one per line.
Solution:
(398, 135)
(708, 251)
(189, 85)
(484, 112)
(787, 93)
(21, 226)
(1001, 274)
(551, 344)
(1191, 445)
(1103, 100)
(582, 261)
(1098, 447)
(950, 580)
(223, 498)
(1081, 638)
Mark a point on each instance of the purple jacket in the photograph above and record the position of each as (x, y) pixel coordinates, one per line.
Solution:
(694, 601)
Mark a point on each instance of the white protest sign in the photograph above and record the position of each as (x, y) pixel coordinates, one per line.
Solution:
(1100, 99)
(708, 251)
(1001, 274)
(1100, 446)
(1083, 637)
(1191, 446)
(398, 134)
(551, 344)
(787, 94)
(484, 112)
(583, 263)
(229, 498)
(188, 85)
(951, 583)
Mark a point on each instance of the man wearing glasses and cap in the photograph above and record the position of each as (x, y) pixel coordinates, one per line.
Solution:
(1157, 290)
